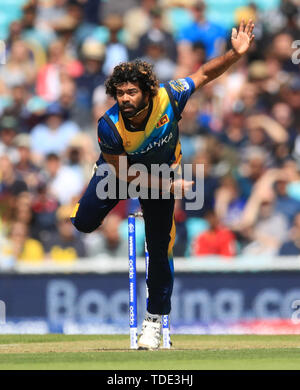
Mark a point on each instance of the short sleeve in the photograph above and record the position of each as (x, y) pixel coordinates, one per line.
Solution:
(109, 142)
(182, 89)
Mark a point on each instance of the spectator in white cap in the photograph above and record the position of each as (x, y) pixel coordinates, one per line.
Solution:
(93, 57)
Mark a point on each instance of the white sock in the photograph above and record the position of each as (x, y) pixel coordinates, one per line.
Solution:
(152, 317)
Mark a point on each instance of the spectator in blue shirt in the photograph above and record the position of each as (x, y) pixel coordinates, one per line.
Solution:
(292, 247)
(285, 203)
(210, 34)
(54, 135)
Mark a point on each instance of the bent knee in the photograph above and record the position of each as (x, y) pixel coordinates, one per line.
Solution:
(83, 227)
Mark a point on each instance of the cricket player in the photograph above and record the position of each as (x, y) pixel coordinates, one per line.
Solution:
(142, 128)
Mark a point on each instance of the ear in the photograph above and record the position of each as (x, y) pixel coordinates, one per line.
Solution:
(146, 96)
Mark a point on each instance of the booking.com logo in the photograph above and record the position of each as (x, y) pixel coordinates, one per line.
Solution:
(2, 313)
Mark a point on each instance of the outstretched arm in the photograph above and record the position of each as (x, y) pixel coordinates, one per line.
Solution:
(241, 41)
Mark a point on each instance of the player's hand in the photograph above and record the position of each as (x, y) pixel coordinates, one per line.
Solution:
(242, 38)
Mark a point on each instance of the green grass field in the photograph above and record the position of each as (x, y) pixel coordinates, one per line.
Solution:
(111, 352)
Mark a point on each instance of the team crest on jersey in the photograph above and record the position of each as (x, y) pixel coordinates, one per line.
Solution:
(163, 120)
(179, 85)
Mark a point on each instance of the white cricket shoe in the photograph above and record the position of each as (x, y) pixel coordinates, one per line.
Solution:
(151, 332)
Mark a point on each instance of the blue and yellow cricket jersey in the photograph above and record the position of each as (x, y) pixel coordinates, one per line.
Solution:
(156, 143)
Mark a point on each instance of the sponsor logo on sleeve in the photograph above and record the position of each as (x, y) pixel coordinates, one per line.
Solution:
(179, 85)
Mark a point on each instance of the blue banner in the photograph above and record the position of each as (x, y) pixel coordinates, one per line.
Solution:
(99, 302)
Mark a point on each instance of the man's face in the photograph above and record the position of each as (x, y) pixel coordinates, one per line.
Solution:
(131, 99)
(7, 136)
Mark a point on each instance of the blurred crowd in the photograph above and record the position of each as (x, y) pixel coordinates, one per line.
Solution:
(244, 127)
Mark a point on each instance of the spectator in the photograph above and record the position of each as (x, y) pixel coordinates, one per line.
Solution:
(229, 204)
(116, 51)
(209, 184)
(292, 173)
(22, 247)
(64, 246)
(177, 15)
(262, 79)
(291, 247)
(191, 140)
(31, 30)
(210, 115)
(155, 54)
(22, 211)
(50, 76)
(63, 183)
(49, 13)
(210, 34)
(20, 95)
(19, 68)
(157, 32)
(92, 11)
(65, 28)
(190, 58)
(263, 129)
(217, 240)
(44, 207)
(266, 227)
(14, 34)
(253, 165)
(25, 168)
(54, 135)
(84, 27)
(8, 132)
(284, 115)
(35, 111)
(93, 56)
(249, 97)
(79, 114)
(11, 185)
(282, 46)
(235, 133)
(134, 30)
(291, 94)
(78, 156)
(11, 182)
(101, 103)
(108, 240)
(224, 159)
(278, 18)
(285, 204)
